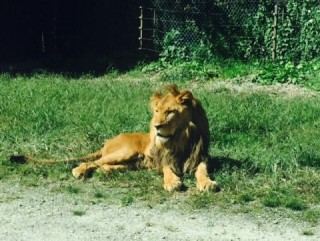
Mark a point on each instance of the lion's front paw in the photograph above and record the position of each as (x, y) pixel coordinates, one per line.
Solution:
(80, 171)
(171, 181)
(207, 185)
(172, 184)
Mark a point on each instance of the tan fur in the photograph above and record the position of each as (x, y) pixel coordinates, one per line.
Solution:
(178, 143)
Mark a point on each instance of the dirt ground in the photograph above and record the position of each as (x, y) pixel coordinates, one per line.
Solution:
(38, 214)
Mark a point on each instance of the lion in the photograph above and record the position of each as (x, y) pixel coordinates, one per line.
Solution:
(177, 143)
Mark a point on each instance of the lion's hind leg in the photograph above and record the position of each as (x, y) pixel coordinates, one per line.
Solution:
(106, 168)
(116, 160)
(118, 153)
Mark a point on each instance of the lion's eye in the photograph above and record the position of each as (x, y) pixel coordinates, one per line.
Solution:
(156, 111)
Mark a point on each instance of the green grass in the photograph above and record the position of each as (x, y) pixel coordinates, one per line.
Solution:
(308, 233)
(73, 189)
(78, 213)
(312, 215)
(266, 149)
(306, 74)
(183, 71)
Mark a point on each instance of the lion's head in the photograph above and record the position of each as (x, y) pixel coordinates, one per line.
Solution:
(171, 114)
(179, 129)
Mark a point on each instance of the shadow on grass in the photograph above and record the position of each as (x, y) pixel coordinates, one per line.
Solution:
(217, 163)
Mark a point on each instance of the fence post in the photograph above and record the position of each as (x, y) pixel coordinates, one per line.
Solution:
(274, 37)
(154, 24)
(141, 27)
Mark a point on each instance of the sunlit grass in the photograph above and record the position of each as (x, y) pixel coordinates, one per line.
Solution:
(267, 148)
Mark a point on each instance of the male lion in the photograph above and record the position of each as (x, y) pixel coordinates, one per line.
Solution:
(177, 143)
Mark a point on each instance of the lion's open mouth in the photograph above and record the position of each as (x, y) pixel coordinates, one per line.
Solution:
(163, 136)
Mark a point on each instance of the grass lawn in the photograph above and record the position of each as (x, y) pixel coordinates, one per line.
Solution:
(265, 149)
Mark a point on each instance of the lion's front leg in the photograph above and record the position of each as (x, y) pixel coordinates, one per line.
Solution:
(204, 183)
(171, 181)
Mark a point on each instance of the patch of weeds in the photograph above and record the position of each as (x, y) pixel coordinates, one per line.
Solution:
(31, 182)
(100, 175)
(296, 204)
(63, 176)
(278, 73)
(126, 201)
(201, 200)
(79, 213)
(99, 194)
(311, 215)
(10, 198)
(5, 172)
(185, 71)
(287, 72)
(142, 185)
(272, 200)
(72, 189)
(246, 197)
(237, 70)
(284, 198)
(308, 233)
(245, 209)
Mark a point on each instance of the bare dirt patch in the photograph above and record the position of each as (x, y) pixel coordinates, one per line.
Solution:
(36, 213)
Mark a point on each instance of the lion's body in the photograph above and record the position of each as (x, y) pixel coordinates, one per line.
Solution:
(177, 143)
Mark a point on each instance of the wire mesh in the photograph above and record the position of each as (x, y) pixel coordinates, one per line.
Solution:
(245, 27)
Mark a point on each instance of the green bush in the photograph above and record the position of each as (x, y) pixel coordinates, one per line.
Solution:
(176, 48)
(298, 35)
(182, 60)
(305, 73)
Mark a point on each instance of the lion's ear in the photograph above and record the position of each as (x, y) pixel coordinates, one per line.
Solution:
(185, 97)
(155, 99)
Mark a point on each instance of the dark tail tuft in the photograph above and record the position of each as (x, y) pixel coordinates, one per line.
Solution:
(20, 159)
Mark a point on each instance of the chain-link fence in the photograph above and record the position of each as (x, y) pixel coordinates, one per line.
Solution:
(272, 29)
(166, 15)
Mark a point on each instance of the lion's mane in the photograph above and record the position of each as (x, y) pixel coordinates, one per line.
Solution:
(184, 154)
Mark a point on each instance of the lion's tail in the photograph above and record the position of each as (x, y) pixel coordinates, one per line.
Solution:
(22, 159)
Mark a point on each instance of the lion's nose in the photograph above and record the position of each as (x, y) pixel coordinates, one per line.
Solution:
(158, 126)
